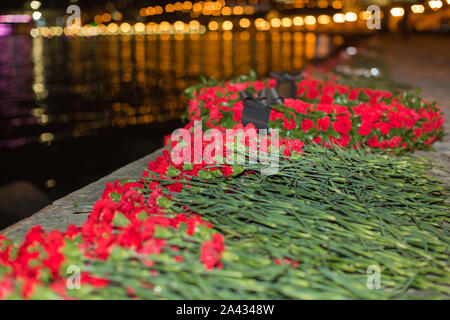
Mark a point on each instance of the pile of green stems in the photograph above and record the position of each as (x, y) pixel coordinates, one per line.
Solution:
(341, 214)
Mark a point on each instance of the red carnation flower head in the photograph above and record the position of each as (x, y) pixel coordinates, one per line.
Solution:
(353, 94)
(307, 124)
(289, 124)
(275, 115)
(237, 111)
(383, 127)
(342, 125)
(324, 123)
(326, 98)
(211, 251)
(365, 128)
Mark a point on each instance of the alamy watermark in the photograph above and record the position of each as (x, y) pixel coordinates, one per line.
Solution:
(374, 278)
(74, 279)
(374, 21)
(74, 20)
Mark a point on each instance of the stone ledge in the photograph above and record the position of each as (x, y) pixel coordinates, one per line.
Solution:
(75, 207)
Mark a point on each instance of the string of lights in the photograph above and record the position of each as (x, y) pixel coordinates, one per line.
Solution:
(227, 17)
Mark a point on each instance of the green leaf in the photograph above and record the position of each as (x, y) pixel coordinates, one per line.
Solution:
(205, 175)
(120, 221)
(115, 196)
(237, 170)
(173, 172)
(142, 216)
(164, 202)
(44, 293)
(163, 233)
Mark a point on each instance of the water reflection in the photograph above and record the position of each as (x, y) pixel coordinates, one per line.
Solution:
(83, 85)
(66, 103)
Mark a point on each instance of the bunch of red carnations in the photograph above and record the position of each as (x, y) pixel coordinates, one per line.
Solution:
(328, 113)
(129, 228)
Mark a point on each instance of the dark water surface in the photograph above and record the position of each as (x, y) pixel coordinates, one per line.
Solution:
(74, 110)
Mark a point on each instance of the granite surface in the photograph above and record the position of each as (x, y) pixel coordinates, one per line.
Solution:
(423, 61)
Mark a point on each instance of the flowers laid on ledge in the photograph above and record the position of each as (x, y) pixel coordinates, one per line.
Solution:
(325, 112)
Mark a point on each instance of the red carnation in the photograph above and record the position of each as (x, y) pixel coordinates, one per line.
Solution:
(274, 115)
(324, 123)
(211, 251)
(373, 142)
(417, 132)
(365, 129)
(289, 124)
(326, 99)
(343, 125)
(237, 110)
(384, 128)
(353, 94)
(342, 142)
(307, 124)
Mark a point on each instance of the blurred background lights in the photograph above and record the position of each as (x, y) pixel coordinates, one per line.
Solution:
(297, 21)
(374, 72)
(286, 22)
(275, 22)
(34, 32)
(397, 12)
(178, 6)
(323, 19)
(351, 16)
(194, 25)
(226, 11)
(336, 4)
(230, 11)
(351, 51)
(50, 183)
(365, 15)
(213, 26)
(37, 15)
(35, 5)
(113, 28)
(244, 23)
(125, 27)
(262, 24)
(197, 7)
(227, 25)
(46, 137)
(187, 5)
(117, 16)
(322, 4)
(310, 20)
(164, 26)
(169, 8)
(435, 4)
(106, 17)
(418, 8)
(139, 27)
(339, 18)
(178, 26)
(238, 10)
(250, 10)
